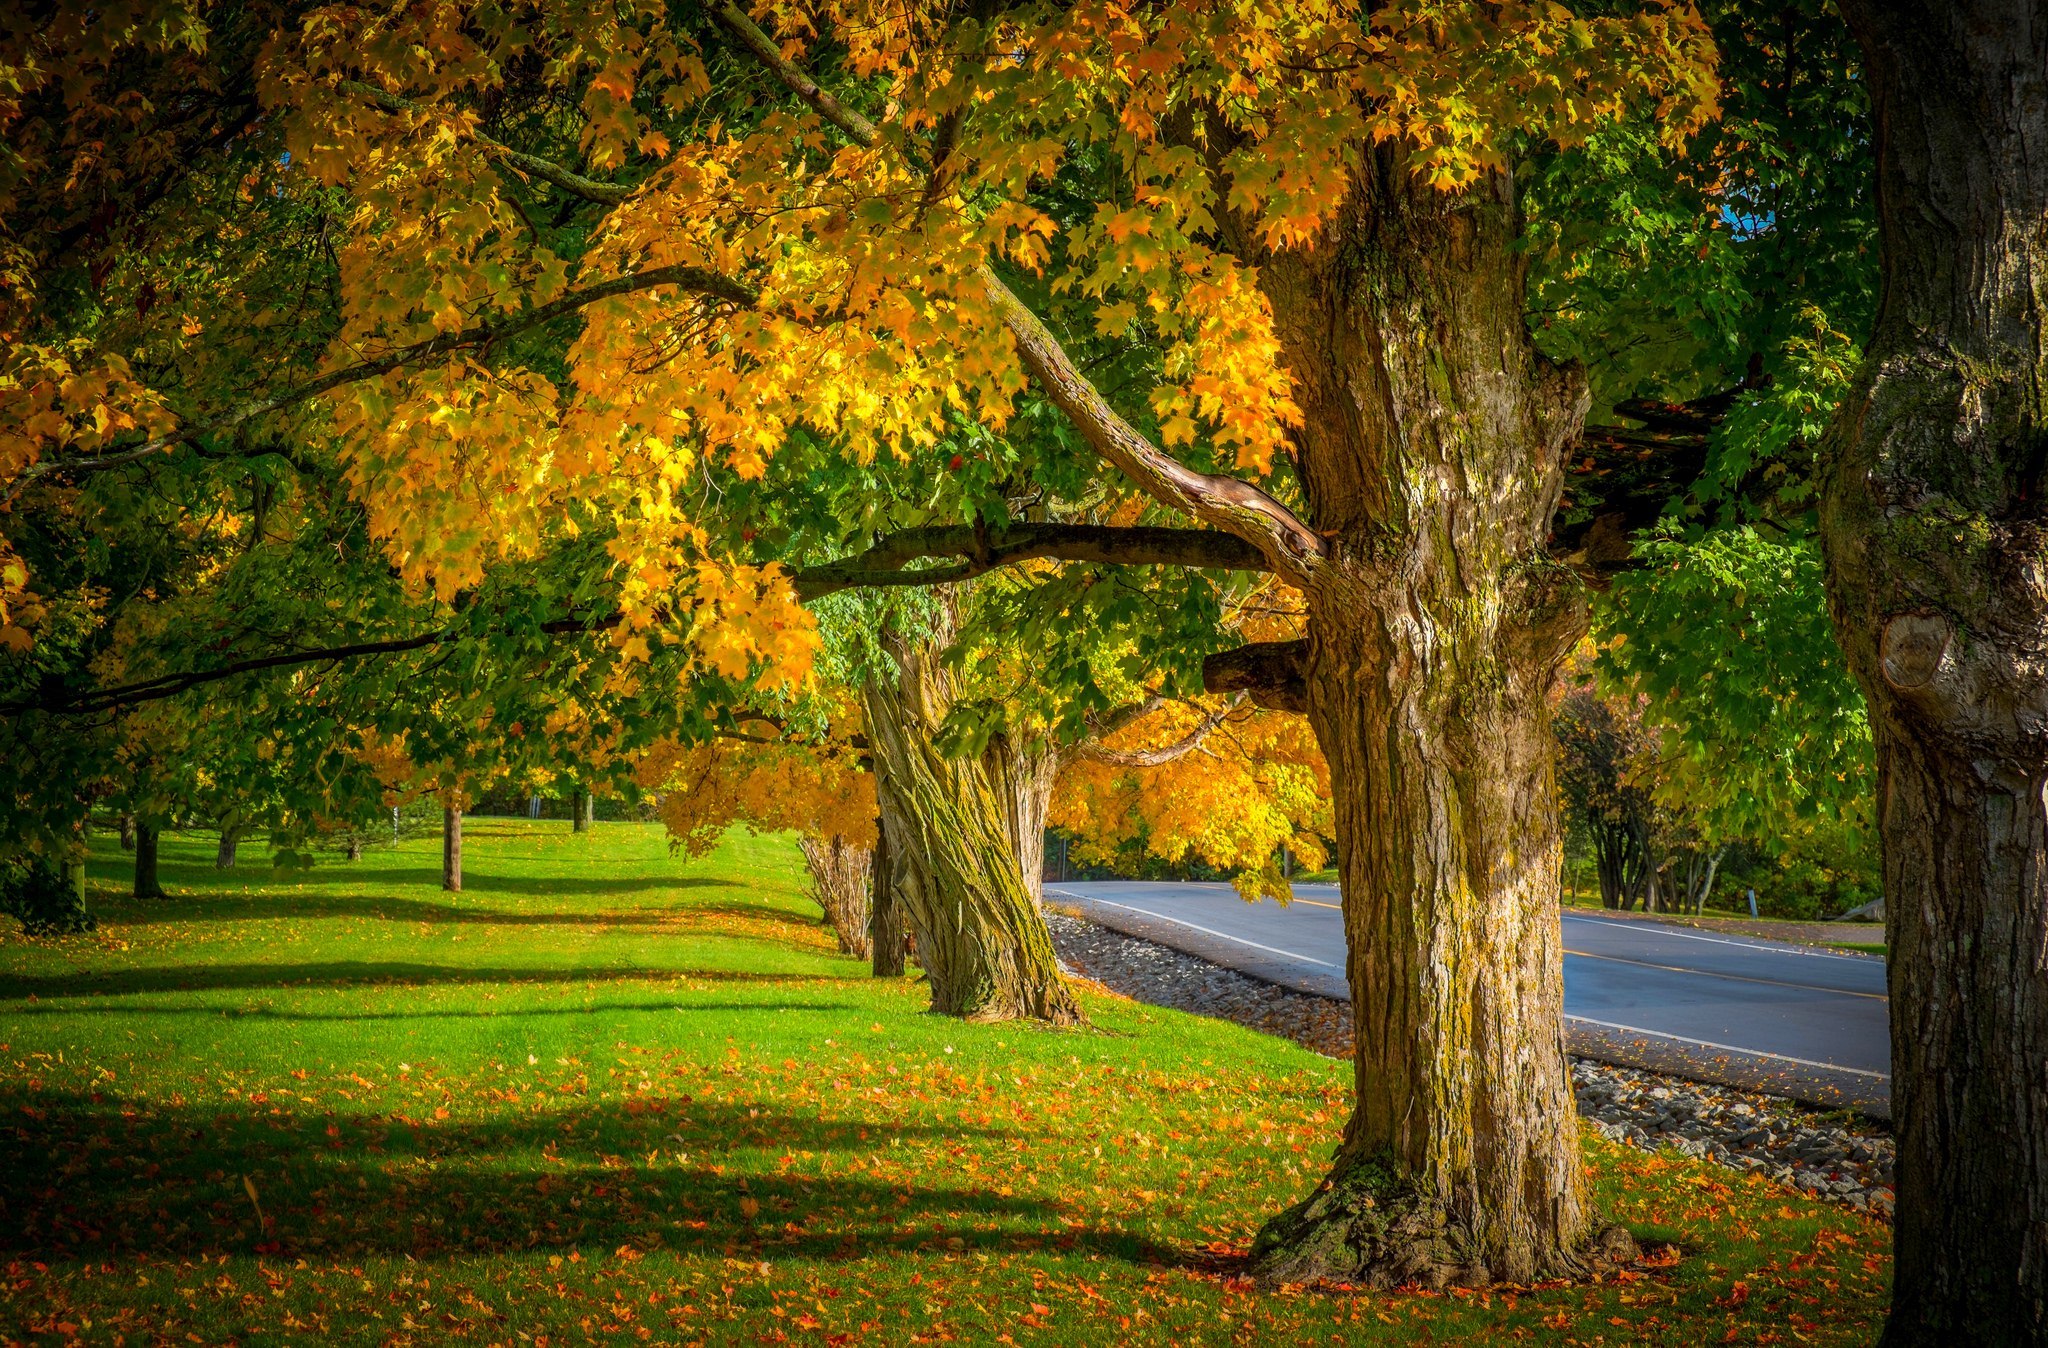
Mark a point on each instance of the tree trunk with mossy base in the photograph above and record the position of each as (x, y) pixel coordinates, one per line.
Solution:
(841, 875)
(982, 940)
(1430, 456)
(1934, 514)
(147, 885)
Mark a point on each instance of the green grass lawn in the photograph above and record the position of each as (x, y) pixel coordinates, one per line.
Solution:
(605, 1096)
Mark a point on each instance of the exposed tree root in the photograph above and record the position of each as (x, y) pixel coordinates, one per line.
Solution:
(1366, 1227)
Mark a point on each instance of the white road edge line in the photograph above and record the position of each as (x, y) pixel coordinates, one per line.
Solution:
(1767, 947)
(1730, 1048)
(1219, 935)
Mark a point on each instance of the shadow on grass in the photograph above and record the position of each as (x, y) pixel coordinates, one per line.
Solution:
(428, 872)
(102, 1179)
(440, 912)
(218, 1012)
(352, 973)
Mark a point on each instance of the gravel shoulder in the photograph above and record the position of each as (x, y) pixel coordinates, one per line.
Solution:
(1838, 1156)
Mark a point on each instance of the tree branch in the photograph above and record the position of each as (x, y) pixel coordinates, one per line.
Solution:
(1292, 549)
(590, 189)
(1152, 758)
(987, 549)
(170, 685)
(1272, 673)
(699, 280)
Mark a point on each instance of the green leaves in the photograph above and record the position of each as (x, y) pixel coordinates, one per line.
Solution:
(1762, 732)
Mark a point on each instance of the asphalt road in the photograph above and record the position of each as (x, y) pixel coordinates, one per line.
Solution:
(1763, 1015)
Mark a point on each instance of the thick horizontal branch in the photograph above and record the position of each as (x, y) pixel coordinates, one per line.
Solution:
(590, 189)
(984, 550)
(1272, 674)
(1291, 548)
(1619, 479)
(170, 685)
(698, 280)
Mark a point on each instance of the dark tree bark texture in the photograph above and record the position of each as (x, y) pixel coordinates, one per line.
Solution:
(1933, 498)
(147, 886)
(885, 915)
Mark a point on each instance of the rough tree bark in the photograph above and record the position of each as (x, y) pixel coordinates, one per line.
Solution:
(230, 841)
(451, 849)
(982, 941)
(1932, 513)
(127, 826)
(885, 915)
(841, 875)
(147, 886)
(1022, 774)
(582, 810)
(1431, 457)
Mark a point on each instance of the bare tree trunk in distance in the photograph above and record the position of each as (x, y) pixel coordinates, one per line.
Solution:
(885, 915)
(841, 875)
(1435, 637)
(126, 824)
(451, 849)
(224, 855)
(582, 809)
(147, 885)
(1934, 516)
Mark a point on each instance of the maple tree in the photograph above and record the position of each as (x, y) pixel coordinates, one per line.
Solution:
(1309, 212)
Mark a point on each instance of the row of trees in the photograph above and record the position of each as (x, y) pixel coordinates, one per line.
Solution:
(456, 390)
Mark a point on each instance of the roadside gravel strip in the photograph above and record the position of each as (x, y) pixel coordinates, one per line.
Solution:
(1834, 1156)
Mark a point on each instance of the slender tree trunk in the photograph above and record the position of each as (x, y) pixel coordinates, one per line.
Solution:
(451, 849)
(1431, 456)
(147, 886)
(982, 941)
(1932, 513)
(841, 876)
(230, 841)
(885, 917)
(126, 824)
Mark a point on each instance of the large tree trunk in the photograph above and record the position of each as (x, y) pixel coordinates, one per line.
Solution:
(147, 886)
(840, 878)
(1022, 774)
(582, 810)
(1932, 512)
(1430, 455)
(451, 849)
(982, 941)
(230, 842)
(885, 915)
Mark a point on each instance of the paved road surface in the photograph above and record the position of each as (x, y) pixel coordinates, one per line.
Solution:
(1760, 1014)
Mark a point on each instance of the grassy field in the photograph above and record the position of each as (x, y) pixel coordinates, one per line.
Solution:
(603, 1096)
